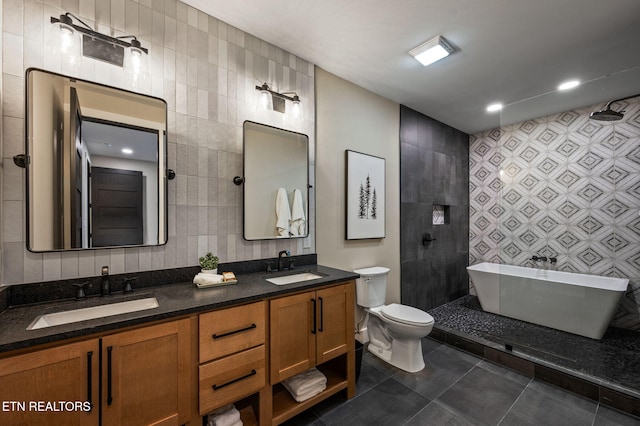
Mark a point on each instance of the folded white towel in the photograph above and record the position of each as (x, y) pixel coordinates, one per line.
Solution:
(301, 383)
(283, 213)
(309, 393)
(226, 415)
(297, 214)
(207, 279)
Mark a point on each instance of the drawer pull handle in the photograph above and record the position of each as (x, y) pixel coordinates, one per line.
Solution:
(219, 336)
(216, 387)
(109, 375)
(315, 314)
(90, 379)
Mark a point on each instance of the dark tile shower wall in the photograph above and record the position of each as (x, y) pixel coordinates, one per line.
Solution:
(434, 169)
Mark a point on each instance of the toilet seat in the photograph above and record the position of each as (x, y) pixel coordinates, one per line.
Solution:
(406, 314)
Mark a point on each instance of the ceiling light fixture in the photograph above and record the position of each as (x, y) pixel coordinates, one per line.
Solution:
(494, 107)
(568, 85)
(432, 50)
(99, 46)
(276, 100)
(127, 151)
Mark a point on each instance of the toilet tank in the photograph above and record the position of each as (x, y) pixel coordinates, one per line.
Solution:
(371, 287)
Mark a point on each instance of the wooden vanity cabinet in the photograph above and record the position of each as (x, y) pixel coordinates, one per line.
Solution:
(146, 378)
(308, 330)
(145, 375)
(233, 359)
(64, 373)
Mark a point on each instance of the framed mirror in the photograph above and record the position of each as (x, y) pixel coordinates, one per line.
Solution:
(96, 165)
(276, 182)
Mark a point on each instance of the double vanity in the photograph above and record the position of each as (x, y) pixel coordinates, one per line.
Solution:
(173, 353)
(166, 353)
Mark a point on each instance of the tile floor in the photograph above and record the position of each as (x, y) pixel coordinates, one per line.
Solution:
(456, 388)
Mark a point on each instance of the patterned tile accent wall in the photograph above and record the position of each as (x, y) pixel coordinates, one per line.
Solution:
(563, 186)
(207, 71)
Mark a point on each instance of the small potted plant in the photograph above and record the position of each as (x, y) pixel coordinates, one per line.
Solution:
(209, 263)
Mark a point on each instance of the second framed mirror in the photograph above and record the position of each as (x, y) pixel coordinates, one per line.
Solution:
(276, 182)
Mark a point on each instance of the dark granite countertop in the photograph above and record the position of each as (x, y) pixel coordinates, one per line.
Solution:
(175, 300)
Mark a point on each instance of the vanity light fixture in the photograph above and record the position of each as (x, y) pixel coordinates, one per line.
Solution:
(432, 50)
(276, 100)
(113, 50)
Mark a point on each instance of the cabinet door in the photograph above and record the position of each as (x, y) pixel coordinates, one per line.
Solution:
(292, 337)
(335, 322)
(32, 386)
(146, 375)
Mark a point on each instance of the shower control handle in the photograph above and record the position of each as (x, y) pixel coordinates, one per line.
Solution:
(426, 239)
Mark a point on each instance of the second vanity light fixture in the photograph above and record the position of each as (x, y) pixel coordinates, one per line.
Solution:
(276, 100)
(114, 50)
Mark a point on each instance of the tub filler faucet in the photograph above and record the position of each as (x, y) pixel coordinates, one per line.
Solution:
(540, 263)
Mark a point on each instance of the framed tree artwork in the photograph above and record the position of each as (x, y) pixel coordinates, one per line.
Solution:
(365, 196)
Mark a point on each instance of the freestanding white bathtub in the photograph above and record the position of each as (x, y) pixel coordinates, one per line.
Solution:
(577, 303)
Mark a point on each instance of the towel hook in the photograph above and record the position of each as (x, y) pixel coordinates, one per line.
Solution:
(238, 180)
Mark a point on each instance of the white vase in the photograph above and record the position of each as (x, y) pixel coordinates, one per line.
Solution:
(209, 271)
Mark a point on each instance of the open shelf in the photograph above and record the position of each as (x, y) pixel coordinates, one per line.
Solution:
(247, 407)
(285, 407)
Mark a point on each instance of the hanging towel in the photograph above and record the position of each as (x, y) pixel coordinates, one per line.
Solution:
(283, 213)
(297, 214)
(227, 415)
(302, 383)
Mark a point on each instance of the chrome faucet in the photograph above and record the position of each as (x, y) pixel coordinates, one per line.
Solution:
(105, 288)
(280, 257)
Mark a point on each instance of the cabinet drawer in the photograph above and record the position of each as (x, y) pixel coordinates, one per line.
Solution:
(231, 330)
(231, 378)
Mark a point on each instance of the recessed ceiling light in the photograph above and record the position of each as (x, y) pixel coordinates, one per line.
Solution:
(127, 151)
(567, 85)
(432, 51)
(494, 107)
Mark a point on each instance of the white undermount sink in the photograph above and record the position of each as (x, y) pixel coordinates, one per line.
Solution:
(295, 278)
(101, 311)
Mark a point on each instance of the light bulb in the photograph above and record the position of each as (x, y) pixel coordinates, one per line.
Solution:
(63, 41)
(265, 99)
(296, 108)
(66, 38)
(135, 63)
(136, 59)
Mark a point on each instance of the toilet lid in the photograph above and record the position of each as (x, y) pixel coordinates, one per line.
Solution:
(406, 314)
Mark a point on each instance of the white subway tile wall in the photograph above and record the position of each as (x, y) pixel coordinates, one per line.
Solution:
(206, 71)
(563, 186)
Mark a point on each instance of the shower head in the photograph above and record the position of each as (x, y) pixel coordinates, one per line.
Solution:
(608, 114)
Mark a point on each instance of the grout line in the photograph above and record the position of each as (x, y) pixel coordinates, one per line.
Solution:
(595, 415)
(517, 399)
(457, 380)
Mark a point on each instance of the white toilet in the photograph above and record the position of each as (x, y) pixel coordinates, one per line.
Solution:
(394, 330)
